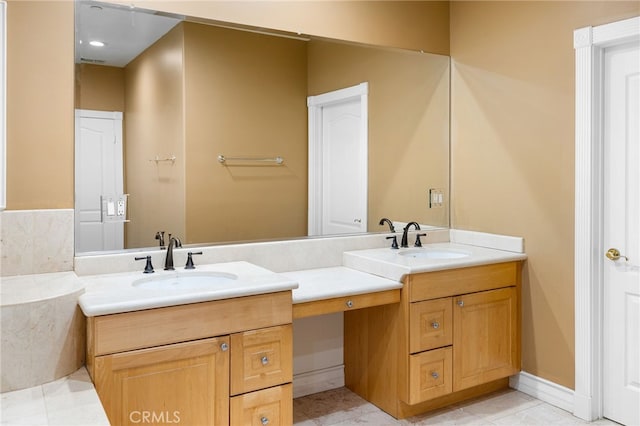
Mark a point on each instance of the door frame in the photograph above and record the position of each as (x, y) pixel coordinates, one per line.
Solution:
(589, 44)
(315, 105)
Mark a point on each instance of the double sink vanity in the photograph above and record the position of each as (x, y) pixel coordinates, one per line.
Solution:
(423, 328)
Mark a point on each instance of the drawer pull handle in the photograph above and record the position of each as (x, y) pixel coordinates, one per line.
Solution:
(264, 420)
(460, 303)
(264, 360)
(435, 374)
(435, 325)
(224, 347)
(349, 304)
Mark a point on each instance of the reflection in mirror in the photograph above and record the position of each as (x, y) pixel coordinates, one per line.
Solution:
(197, 90)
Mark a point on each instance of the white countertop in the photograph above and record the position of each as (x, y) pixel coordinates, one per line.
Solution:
(392, 264)
(363, 271)
(327, 283)
(115, 293)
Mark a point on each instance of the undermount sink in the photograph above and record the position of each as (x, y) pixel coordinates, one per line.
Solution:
(186, 281)
(428, 253)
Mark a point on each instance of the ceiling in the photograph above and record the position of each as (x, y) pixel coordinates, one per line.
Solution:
(124, 39)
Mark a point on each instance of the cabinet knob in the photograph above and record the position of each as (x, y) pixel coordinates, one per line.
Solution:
(349, 304)
(460, 303)
(264, 420)
(224, 347)
(264, 360)
(435, 325)
(435, 374)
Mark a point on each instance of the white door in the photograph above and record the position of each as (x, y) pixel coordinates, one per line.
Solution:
(338, 161)
(621, 375)
(98, 172)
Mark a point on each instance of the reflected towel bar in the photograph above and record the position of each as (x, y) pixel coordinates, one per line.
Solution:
(172, 158)
(277, 160)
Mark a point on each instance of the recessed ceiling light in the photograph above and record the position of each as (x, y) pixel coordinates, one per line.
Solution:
(96, 43)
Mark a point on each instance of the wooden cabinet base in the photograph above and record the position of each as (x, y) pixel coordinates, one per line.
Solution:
(454, 335)
(170, 366)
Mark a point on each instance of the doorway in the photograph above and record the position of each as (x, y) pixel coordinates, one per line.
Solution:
(606, 214)
(98, 173)
(338, 180)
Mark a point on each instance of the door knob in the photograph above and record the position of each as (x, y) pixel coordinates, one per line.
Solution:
(614, 254)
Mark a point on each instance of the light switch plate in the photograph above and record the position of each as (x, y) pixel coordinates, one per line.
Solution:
(436, 198)
(114, 207)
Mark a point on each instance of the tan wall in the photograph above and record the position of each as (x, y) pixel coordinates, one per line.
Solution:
(513, 151)
(245, 96)
(417, 25)
(40, 104)
(99, 87)
(154, 126)
(408, 124)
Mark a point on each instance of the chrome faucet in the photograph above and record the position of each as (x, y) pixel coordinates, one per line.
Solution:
(404, 243)
(168, 261)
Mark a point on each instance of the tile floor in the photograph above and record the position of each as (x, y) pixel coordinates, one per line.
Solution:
(69, 401)
(72, 401)
(510, 407)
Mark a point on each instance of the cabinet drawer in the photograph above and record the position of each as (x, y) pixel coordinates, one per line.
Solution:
(261, 358)
(430, 324)
(433, 285)
(273, 406)
(430, 375)
(114, 333)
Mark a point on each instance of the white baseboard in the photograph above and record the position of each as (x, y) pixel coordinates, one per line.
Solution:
(544, 390)
(318, 381)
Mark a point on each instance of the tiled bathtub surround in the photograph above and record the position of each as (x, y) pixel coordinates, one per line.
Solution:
(42, 329)
(36, 241)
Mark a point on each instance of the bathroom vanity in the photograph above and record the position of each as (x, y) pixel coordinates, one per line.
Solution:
(216, 362)
(423, 328)
(455, 334)
(206, 363)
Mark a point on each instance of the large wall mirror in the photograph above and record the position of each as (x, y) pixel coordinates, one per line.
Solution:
(153, 116)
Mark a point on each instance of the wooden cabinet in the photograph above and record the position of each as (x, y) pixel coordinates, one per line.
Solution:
(236, 362)
(454, 335)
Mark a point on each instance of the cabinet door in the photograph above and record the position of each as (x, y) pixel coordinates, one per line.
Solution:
(486, 337)
(261, 358)
(273, 407)
(184, 383)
